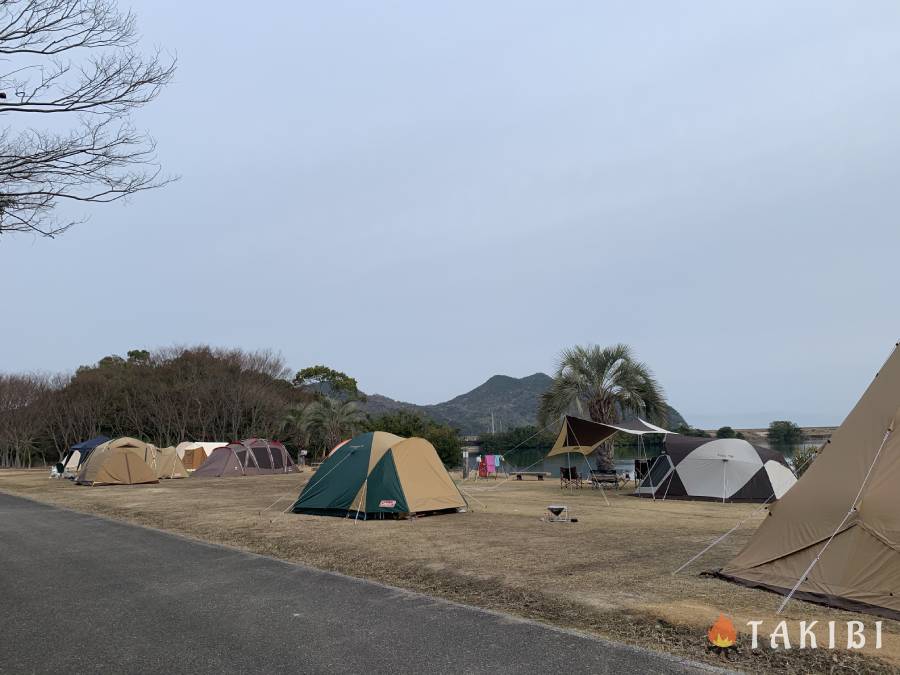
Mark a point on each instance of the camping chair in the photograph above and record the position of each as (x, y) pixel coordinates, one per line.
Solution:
(568, 477)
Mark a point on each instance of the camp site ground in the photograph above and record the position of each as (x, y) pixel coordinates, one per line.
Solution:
(608, 574)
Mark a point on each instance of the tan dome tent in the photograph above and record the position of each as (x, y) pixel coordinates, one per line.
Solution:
(835, 535)
(122, 461)
(168, 464)
(250, 457)
(193, 454)
(78, 454)
(377, 475)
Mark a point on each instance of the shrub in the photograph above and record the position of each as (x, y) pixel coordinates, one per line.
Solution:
(785, 433)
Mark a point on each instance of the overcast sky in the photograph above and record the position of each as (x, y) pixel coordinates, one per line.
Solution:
(426, 194)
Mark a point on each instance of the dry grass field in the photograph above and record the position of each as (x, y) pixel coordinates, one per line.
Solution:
(609, 573)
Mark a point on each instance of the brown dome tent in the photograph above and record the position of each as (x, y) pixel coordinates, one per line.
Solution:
(122, 461)
(834, 535)
(250, 457)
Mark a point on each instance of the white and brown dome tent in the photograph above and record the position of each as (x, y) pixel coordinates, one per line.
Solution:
(721, 469)
(835, 537)
(250, 457)
(122, 461)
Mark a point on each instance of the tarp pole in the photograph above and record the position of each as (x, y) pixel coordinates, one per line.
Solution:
(724, 479)
(649, 473)
(599, 487)
(359, 503)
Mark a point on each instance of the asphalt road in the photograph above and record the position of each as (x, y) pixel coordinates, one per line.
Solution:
(80, 594)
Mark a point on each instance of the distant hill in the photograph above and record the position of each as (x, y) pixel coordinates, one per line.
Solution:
(513, 401)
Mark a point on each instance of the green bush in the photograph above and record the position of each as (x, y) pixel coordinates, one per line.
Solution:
(443, 437)
(784, 433)
(686, 430)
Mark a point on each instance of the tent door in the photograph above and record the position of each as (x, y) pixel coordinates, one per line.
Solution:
(657, 476)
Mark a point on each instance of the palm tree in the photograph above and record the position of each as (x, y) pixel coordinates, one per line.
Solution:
(293, 426)
(607, 384)
(331, 420)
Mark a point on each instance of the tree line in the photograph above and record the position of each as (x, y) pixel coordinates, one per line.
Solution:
(192, 394)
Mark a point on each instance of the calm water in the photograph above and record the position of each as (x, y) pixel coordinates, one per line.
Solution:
(553, 464)
(624, 462)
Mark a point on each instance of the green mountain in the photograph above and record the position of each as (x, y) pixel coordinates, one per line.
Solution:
(513, 402)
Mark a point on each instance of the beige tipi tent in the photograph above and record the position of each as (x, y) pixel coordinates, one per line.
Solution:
(122, 461)
(838, 528)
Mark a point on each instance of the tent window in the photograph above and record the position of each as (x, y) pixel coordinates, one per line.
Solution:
(658, 471)
(277, 458)
(262, 458)
(242, 457)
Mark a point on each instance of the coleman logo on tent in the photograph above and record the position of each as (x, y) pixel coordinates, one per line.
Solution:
(387, 503)
(722, 633)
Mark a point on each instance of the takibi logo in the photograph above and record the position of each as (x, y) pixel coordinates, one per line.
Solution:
(798, 635)
(722, 633)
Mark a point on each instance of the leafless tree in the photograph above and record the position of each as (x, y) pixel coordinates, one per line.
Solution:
(21, 424)
(74, 65)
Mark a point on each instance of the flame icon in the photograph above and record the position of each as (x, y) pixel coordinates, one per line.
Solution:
(722, 633)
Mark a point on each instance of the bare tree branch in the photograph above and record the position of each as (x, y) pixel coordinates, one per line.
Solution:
(75, 58)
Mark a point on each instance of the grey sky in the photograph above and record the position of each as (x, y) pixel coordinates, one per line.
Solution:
(424, 195)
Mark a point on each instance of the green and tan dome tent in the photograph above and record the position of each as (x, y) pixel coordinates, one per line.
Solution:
(378, 475)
